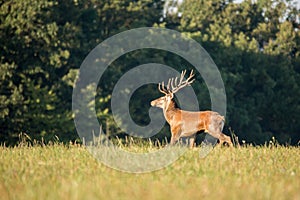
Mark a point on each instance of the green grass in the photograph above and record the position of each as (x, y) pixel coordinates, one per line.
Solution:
(70, 172)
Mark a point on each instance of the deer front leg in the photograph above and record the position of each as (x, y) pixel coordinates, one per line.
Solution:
(176, 131)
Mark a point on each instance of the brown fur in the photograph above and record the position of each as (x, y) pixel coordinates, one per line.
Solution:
(187, 124)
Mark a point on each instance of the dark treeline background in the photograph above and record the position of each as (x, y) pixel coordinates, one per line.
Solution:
(256, 47)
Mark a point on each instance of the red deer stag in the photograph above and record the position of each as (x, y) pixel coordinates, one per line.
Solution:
(186, 123)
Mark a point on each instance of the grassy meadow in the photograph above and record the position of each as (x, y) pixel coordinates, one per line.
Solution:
(70, 172)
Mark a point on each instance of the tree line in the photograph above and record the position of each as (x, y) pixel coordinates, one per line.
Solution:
(256, 46)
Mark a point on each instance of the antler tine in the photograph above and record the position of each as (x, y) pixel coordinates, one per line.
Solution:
(182, 83)
(169, 85)
(182, 76)
(190, 77)
(192, 73)
(161, 88)
(173, 84)
(176, 80)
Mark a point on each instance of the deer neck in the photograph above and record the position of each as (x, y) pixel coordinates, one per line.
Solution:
(169, 110)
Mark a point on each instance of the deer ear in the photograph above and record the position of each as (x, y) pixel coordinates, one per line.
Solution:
(171, 95)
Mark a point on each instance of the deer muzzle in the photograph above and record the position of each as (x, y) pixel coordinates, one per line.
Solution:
(153, 103)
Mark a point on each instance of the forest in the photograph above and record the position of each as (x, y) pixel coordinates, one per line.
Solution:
(255, 45)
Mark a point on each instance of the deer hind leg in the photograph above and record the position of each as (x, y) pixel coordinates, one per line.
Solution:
(215, 131)
(224, 138)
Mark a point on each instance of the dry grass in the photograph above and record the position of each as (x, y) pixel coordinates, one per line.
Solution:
(70, 172)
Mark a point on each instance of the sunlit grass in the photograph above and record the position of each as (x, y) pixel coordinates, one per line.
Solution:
(69, 172)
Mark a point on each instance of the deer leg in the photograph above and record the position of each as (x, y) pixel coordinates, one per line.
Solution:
(175, 135)
(192, 141)
(215, 130)
(224, 138)
(174, 139)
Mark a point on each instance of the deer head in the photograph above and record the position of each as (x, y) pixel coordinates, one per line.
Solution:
(173, 86)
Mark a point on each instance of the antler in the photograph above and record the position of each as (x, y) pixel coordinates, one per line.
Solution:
(173, 84)
(162, 89)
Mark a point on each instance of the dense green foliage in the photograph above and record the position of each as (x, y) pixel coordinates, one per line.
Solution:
(255, 46)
